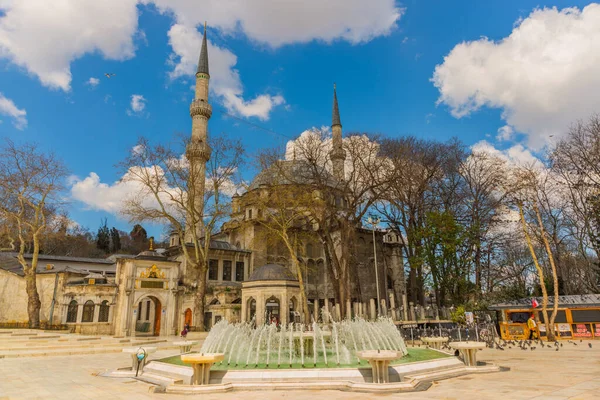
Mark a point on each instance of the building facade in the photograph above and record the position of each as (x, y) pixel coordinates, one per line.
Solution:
(154, 293)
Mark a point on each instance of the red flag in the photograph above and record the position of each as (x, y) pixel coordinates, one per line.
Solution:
(534, 303)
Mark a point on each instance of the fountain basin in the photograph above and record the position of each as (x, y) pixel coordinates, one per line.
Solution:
(380, 362)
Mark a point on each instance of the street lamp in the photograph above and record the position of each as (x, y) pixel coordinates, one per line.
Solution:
(374, 221)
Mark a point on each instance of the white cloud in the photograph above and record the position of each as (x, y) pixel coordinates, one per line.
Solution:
(8, 108)
(505, 133)
(543, 76)
(93, 82)
(516, 155)
(137, 105)
(101, 196)
(225, 79)
(44, 37)
(277, 23)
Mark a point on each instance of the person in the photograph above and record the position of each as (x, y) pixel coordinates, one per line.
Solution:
(531, 324)
(185, 330)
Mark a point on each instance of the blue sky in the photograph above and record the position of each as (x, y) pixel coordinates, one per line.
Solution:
(383, 60)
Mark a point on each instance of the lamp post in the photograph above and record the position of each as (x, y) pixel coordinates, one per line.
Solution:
(374, 221)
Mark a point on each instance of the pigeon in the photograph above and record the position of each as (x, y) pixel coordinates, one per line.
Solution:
(109, 74)
(533, 348)
(557, 348)
(590, 345)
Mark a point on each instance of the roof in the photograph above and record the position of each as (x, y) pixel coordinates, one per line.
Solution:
(150, 255)
(335, 119)
(9, 263)
(583, 300)
(272, 272)
(203, 61)
(65, 258)
(280, 173)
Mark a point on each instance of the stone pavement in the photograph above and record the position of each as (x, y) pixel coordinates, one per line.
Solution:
(571, 373)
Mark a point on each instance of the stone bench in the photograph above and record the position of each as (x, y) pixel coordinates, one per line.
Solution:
(380, 362)
(136, 364)
(434, 342)
(185, 346)
(201, 364)
(468, 351)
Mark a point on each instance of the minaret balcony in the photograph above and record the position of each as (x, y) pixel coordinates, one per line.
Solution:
(337, 154)
(200, 107)
(198, 150)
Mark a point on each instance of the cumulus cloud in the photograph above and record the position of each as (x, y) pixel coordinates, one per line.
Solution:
(137, 105)
(93, 82)
(516, 155)
(543, 76)
(225, 79)
(505, 133)
(8, 108)
(278, 23)
(44, 37)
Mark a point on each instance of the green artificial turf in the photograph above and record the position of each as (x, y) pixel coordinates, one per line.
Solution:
(414, 355)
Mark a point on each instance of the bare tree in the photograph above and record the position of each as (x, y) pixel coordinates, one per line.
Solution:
(283, 213)
(165, 194)
(526, 190)
(30, 185)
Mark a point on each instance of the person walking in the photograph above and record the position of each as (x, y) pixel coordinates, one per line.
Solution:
(532, 325)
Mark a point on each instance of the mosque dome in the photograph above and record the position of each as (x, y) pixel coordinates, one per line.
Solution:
(288, 172)
(272, 272)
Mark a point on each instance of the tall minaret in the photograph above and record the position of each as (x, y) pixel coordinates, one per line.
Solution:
(198, 151)
(337, 154)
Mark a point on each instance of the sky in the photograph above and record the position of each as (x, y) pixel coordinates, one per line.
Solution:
(506, 75)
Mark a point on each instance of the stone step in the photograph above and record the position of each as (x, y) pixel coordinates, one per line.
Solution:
(439, 374)
(79, 345)
(68, 351)
(158, 380)
(178, 372)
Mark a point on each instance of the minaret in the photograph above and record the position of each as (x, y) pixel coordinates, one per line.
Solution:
(198, 151)
(337, 154)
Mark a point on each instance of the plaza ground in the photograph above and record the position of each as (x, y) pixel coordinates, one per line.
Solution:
(571, 373)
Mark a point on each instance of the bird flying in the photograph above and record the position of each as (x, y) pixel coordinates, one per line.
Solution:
(109, 74)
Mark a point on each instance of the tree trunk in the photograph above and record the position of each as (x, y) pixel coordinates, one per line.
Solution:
(201, 299)
(33, 298)
(549, 328)
(552, 264)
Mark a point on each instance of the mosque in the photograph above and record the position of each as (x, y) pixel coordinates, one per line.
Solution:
(152, 293)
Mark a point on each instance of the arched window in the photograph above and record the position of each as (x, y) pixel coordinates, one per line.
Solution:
(103, 314)
(309, 250)
(72, 311)
(88, 312)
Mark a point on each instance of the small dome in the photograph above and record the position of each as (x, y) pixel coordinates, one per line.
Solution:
(272, 272)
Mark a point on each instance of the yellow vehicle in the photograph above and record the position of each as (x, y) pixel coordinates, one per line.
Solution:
(578, 317)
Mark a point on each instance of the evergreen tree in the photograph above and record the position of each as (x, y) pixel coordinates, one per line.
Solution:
(139, 238)
(115, 240)
(103, 238)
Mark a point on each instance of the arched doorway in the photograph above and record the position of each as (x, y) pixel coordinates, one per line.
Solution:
(272, 308)
(187, 318)
(251, 305)
(149, 312)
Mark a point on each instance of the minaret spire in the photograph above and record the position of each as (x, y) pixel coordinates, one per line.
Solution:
(198, 151)
(336, 112)
(337, 155)
(203, 61)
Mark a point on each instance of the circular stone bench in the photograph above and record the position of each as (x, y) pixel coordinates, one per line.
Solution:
(380, 362)
(134, 351)
(434, 342)
(185, 346)
(201, 364)
(468, 350)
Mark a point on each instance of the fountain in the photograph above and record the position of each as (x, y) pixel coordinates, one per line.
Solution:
(326, 345)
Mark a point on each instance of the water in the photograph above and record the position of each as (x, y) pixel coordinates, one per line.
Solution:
(248, 346)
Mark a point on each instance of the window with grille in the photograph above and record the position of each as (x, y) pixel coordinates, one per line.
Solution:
(213, 270)
(103, 314)
(88, 312)
(226, 270)
(72, 311)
